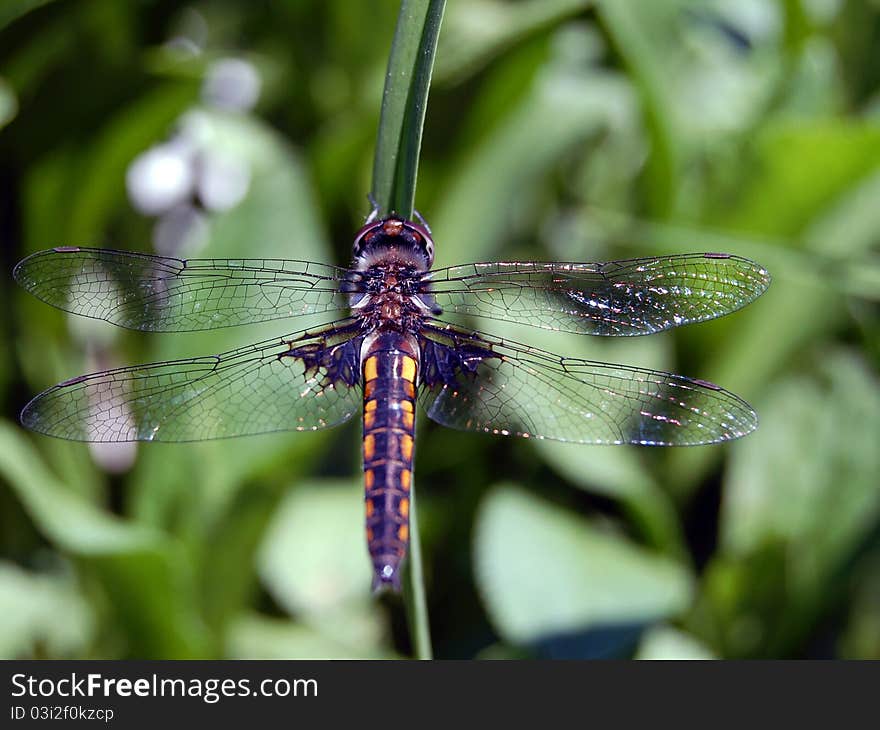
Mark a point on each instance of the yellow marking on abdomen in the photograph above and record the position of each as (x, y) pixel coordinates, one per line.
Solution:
(369, 478)
(406, 446)
(371, 368)
(369, 418)
(370, 508)
(403, 533)
(404, 507)
(408, 369)
(409, 417)
(405, 479)
(369, 447)
(371, 405)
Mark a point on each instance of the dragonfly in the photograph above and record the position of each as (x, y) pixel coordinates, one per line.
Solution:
(388, 348)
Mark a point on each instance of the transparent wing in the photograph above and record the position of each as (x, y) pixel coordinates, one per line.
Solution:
(163, 294)
(307, 381)
(633, 297)
(476, 383)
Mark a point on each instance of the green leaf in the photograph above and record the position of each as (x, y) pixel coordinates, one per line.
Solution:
(259, 637)
(782, 192)
(861, 637)
(10, 10)
(403, 105)
(279, 216)
(490, 186)
(144, 573)
(647, 36)
(801, 500)
(477, 31)
(314, 553)
(8, 103)
(665, 642)
(821, 503)
(541, 572)
(622, 474)
(314, 561)
(99, 184)
(804, 301)
(43, 615)
(232, 537)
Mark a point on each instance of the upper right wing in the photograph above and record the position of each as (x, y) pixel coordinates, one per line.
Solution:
(632, 297)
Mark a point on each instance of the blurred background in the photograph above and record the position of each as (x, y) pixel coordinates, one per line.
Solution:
(556, 129)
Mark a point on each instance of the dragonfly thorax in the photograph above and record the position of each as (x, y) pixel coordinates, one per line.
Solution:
(392, 296)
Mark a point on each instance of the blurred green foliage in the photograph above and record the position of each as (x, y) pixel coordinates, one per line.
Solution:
(556, 129)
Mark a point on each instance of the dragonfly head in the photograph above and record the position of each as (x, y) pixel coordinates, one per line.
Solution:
(396, 239)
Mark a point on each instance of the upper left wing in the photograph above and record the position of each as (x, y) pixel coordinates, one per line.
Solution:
(163, 294)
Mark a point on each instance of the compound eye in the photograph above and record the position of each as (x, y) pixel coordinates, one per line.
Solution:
(364, 237)
(427, 244)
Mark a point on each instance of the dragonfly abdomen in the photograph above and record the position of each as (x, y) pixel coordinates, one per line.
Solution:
(390, 370)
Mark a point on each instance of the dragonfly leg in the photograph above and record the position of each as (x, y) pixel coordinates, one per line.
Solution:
(374, 213)
(422, 220)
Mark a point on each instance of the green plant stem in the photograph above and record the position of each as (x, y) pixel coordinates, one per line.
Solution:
(403, 105)
(414, 591)
(394, 190)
